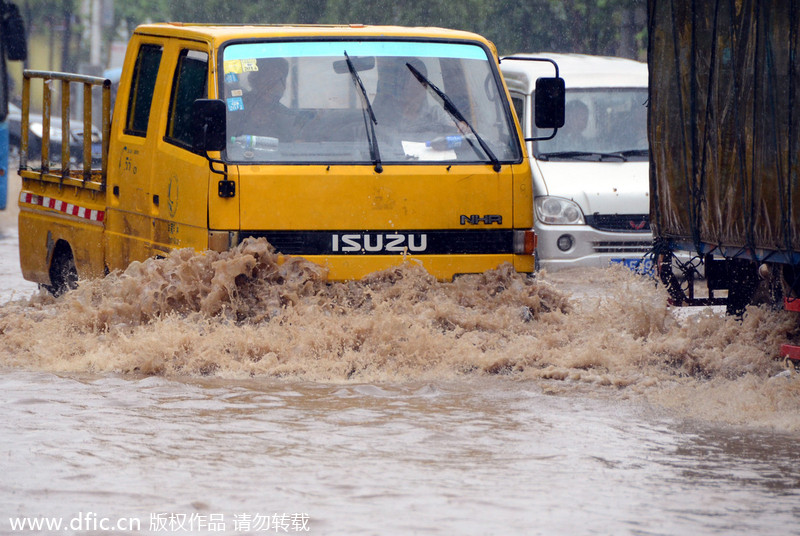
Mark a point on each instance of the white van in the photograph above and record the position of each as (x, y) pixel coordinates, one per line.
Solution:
(591, 181)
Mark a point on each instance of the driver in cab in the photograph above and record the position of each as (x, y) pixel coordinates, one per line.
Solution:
(265, 115)
(402, 102)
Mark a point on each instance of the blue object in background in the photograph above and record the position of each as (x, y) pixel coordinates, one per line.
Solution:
(445, 143)
(3, 164)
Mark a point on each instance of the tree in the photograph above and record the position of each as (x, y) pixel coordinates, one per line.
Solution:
(131, 13)
(589, 26)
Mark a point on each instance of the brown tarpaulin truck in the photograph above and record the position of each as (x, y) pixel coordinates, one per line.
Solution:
(724, 133)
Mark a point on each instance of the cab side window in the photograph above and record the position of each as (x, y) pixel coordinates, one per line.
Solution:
(519, 107)
(190, 84)
(144, 81)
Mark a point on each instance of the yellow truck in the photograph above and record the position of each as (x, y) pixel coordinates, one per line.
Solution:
(354, 146)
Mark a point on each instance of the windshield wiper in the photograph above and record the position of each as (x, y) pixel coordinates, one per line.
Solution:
(453, 110)
(635, 152)
(369, 116)
(583, 154)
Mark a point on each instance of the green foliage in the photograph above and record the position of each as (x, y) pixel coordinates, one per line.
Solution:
(589, 26)
(134, 12)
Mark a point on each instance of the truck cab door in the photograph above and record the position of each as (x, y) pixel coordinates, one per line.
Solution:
(131, 155)
(181, 177)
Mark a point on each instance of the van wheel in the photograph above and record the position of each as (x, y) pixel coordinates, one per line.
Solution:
(63, 274)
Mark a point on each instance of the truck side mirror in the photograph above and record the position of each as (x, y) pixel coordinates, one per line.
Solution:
(208, 120)
(549, 103)
(549, 97)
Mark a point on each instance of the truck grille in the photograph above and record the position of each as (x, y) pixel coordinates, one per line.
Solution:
(638, 246)
(619, 223)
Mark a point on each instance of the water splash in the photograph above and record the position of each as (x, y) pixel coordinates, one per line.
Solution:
(251, 312)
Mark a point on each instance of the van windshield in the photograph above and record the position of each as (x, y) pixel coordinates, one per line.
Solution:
(600, 125)
(364, 101)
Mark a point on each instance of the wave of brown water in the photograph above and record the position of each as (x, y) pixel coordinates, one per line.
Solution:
(252, 313)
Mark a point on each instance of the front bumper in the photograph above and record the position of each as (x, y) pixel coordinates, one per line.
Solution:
(589, 247)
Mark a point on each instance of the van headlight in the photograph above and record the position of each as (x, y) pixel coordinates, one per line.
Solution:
(558, 211)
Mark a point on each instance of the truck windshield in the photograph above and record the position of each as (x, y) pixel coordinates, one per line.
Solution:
(600, 124)
(299, 102)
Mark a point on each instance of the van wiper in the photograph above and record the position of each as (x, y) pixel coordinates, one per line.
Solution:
(453, 110)
(635, 152)
(369, 116)
(578, 155)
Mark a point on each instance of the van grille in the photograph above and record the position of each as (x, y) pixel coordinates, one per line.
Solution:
(623, 247)
(617, 223)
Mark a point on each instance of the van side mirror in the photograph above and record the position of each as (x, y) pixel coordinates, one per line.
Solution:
(548, 103)
(208, 122)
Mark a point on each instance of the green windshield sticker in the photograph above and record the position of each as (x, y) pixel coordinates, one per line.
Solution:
(248, 51)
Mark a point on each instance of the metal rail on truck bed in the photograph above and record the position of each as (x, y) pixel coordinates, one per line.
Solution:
(85, 176)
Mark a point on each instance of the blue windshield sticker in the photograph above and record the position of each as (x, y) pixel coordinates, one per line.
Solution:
(235, 104)
(231, 78)
(425, 49)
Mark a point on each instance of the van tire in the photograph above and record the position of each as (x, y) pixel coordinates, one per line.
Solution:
(63, 274)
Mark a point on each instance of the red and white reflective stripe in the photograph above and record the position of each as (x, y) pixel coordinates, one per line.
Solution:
(62, 206)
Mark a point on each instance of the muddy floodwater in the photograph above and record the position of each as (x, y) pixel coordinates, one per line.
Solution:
(240, 393)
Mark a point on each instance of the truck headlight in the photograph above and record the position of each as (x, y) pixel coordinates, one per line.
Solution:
(558, 211)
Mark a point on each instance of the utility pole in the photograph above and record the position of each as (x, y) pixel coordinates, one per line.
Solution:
(96, 34)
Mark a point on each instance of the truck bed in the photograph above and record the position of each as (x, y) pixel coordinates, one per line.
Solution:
(724, 127)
